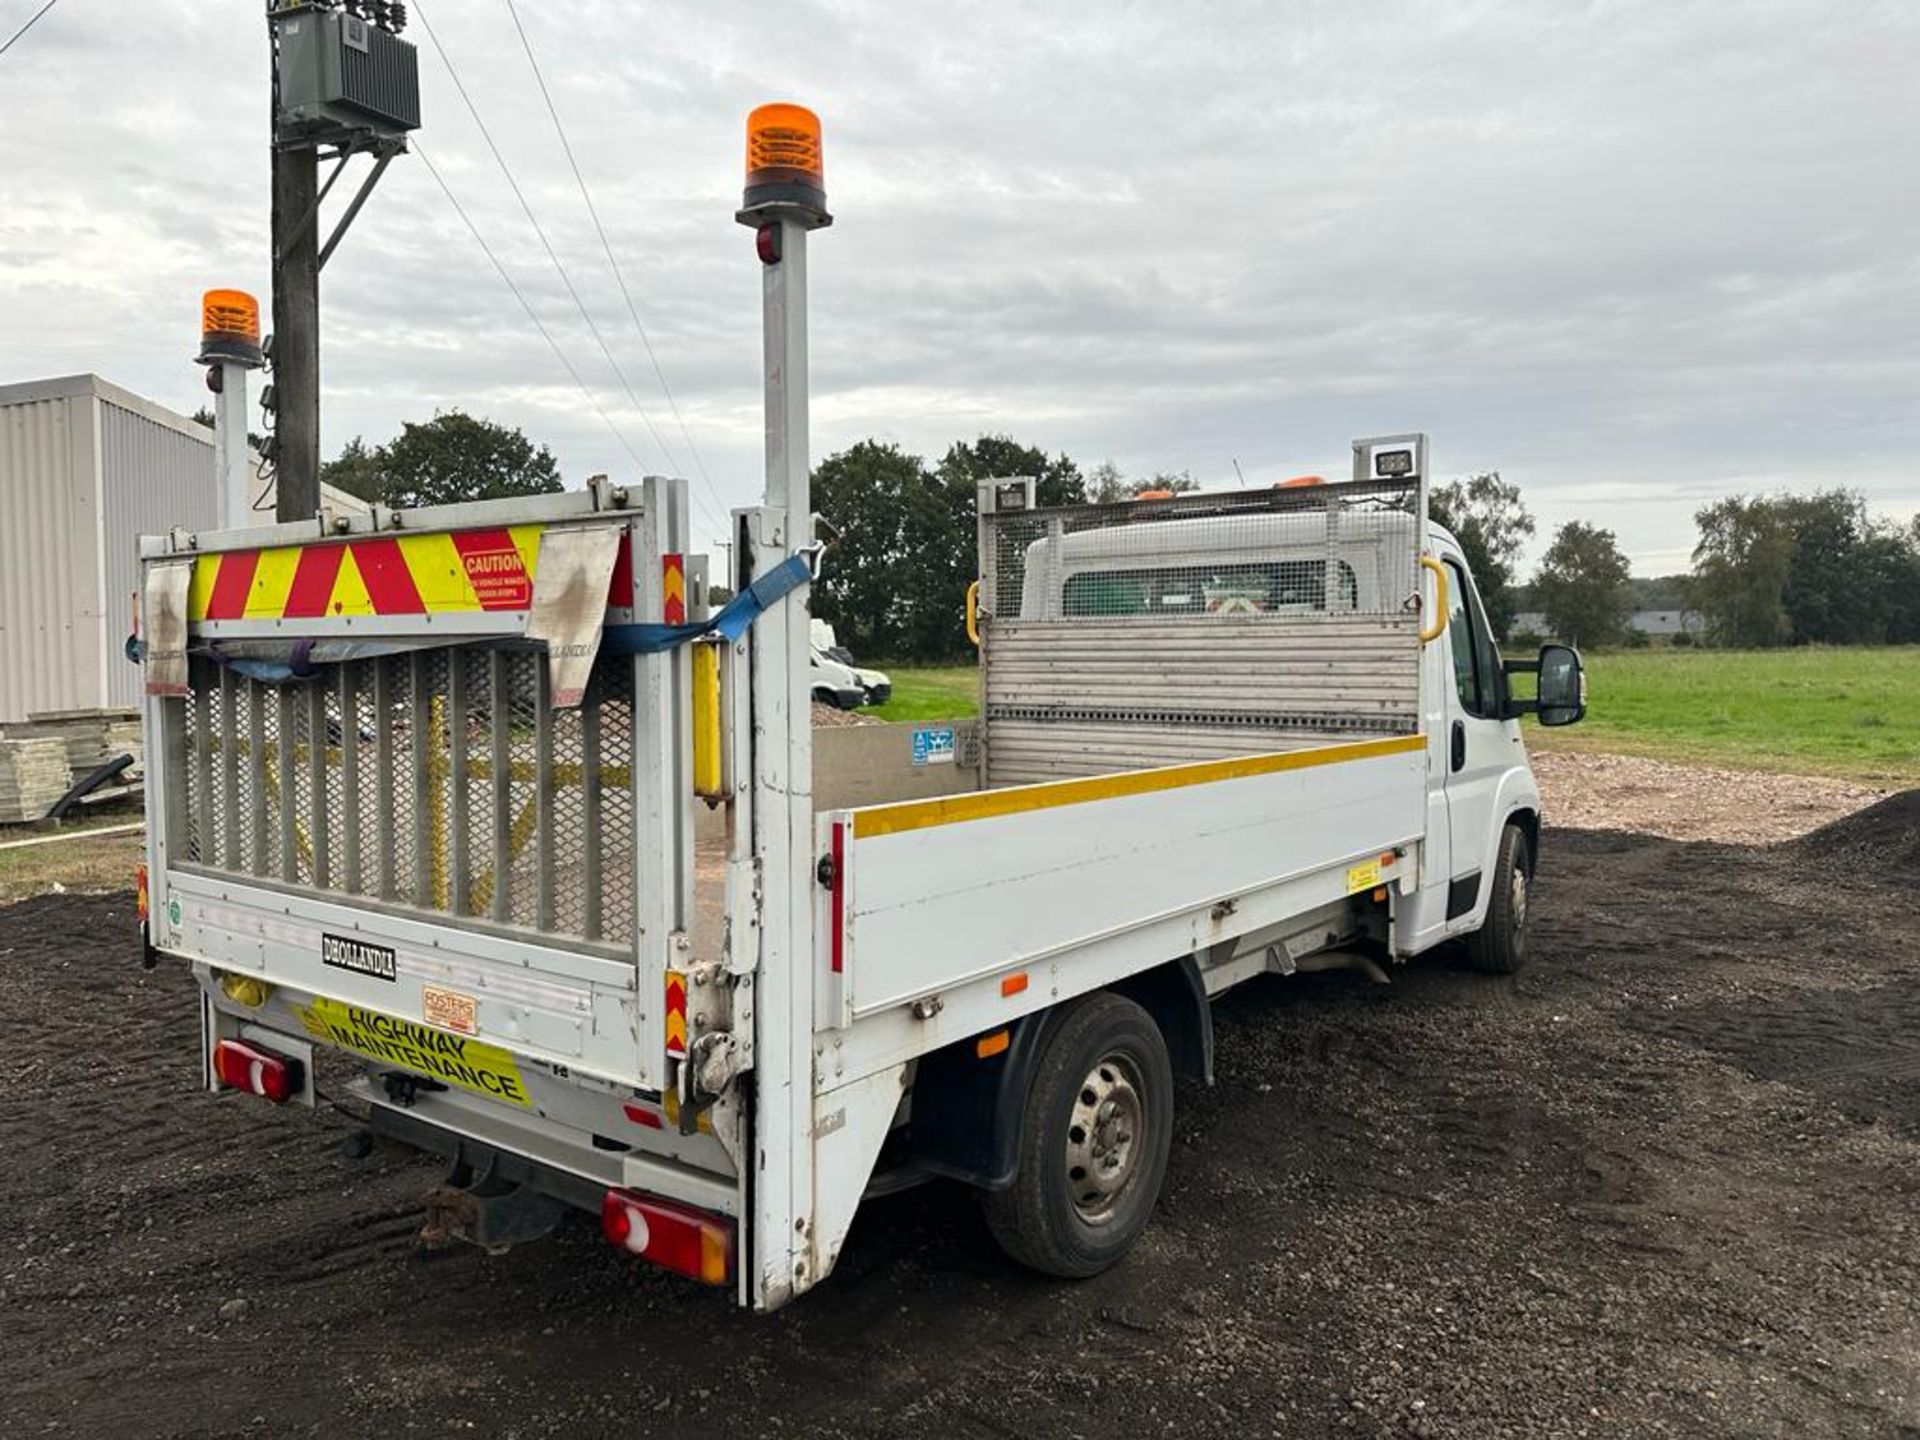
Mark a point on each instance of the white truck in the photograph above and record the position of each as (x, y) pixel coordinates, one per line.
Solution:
(425, 788)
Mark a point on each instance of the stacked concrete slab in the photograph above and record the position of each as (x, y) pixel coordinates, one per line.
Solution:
(91, 737)
(34, 774)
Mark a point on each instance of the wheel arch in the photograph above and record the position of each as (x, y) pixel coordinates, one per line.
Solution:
(965, 1117)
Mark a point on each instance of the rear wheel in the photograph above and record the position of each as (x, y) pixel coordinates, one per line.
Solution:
(1499, 946)
(1094, 1137)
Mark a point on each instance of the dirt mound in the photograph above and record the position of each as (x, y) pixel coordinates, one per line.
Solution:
(826, 717)
(1883, 839)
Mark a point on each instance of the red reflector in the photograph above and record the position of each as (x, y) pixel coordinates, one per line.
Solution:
(766, 240)
(640, 1115)
(678, 1237)
(141, 902)
(241, 1066)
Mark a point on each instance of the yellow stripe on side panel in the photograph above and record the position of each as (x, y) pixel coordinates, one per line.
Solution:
(438, 574)
(526, 539)
(991, 804)
(350, 597)
(272, 583)
(206, 570)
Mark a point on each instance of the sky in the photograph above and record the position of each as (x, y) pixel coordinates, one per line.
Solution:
(1632, 255)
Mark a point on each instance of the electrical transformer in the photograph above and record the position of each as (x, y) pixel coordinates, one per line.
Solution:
(341, 72)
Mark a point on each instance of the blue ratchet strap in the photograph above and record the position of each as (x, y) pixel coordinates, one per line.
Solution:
(731, 623)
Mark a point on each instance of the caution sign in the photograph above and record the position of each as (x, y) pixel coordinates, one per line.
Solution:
(452, 1059)
(1363, 877)
(495, 569)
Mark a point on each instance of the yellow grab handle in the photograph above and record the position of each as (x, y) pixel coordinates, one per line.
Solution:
(973, 613)
(1440, 608)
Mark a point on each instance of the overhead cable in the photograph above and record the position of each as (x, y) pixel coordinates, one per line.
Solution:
(14, 38)
(520, 295)
(619, 276)
(547, 244)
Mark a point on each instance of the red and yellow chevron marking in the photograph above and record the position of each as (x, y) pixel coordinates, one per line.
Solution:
(676, 1014)
(673, 590)
(465, 571)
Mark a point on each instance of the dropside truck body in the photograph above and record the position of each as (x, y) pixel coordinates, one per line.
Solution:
(488, 799)
(411, 799)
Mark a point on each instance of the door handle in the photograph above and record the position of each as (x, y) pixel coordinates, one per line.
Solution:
(1459, 745)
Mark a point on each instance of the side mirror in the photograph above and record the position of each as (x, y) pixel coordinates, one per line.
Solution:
(1563, 686)
(1561, 694)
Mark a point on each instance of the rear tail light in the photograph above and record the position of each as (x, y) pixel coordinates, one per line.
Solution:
(678, 1237)
(241, 1066)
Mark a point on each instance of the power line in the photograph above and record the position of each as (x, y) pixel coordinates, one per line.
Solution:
(605, 244)
(14, 38)
(547, 244)
(520, 295)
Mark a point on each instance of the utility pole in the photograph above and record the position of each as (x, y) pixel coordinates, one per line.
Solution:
(346, 84)
(296, 327)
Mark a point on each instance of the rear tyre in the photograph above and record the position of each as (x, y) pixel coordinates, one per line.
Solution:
(1094, 1137)
(1499, 946)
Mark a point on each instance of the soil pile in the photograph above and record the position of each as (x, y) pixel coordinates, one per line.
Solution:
(1881, 841)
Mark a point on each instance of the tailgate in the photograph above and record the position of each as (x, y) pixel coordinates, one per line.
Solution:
(404, 778)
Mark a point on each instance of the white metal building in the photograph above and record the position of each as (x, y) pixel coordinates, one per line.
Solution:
(85, 468)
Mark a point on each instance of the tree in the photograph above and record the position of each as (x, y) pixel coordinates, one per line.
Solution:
(356, 470)
(1805, 570)
(1106, 484)
(451, 459)
(1491, 522)
(1829, 596)
(998, 456)
(1740, 570)
(1582, 585)
(894, 585)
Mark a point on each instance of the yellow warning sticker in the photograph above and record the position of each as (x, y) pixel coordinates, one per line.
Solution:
(469, 1064)
(1363, 877)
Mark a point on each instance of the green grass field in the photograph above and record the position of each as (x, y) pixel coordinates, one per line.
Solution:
(949, 692)
(1847, 712)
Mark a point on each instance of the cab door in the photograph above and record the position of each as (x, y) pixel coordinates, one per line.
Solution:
(1480, 746)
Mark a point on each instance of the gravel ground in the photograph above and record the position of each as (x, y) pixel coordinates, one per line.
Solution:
(1691, 802)
(1664, 1183)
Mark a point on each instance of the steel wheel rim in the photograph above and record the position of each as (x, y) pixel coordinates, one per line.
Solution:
(1106, 1138)
(1517, 902)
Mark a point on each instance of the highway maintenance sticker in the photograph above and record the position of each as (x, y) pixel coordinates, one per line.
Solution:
(1363, 877)
(454, 1059)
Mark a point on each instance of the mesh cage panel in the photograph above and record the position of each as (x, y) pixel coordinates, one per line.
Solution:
(198, 736)
(1321, 550)
(1191, 627)
(439, 780)
(522, 715)
(612, 902)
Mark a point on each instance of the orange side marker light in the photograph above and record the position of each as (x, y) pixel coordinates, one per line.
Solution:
(988, 1046)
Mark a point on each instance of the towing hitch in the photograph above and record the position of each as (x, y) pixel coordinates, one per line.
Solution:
(488, 1208)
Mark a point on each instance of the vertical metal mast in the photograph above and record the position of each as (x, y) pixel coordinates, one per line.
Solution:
(785, 199)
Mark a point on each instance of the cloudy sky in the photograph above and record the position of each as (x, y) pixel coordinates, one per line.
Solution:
(1633, 255)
